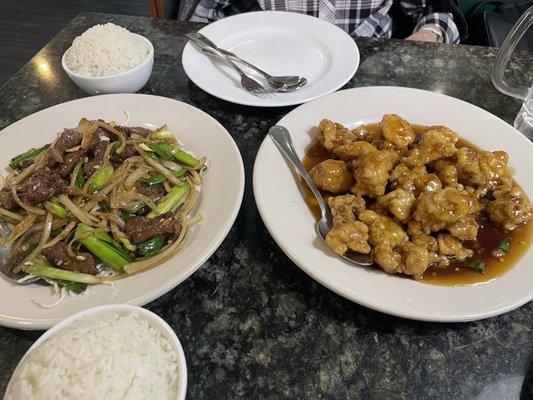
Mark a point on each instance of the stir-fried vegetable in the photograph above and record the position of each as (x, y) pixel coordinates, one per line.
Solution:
(56, 209)
(163, 150)
(186, 158)
(80, 179)
(171, 200)
(16, 161)
(125, 215)
(505, 245)
(75, 287)
(477, 266)
(169, 152)
(161, 134)
(119, 193)
(152, 246)
(100, 178)
(44, 268)
(159, 178)
(103, 246)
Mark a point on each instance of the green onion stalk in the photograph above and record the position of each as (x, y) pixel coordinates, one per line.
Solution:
(15, 162)
(45, 269)
(159, 178)
(103, 246)
(169, 152)
(170, 200)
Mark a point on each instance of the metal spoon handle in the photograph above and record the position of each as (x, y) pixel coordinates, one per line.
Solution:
(208, 42)
(281, 137)
(215, 51)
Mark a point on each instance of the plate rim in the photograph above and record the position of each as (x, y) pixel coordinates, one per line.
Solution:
(189, 48)
(154, 293)
(376, 303)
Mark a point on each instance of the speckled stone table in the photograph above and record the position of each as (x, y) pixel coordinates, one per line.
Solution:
(252, 324)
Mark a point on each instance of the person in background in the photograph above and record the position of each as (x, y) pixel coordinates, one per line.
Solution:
(432, 19)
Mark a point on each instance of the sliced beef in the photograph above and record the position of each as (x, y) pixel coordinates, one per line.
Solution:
(8, 220)
(129, 151)
(129, 130)
(26, 163)
(68, 139)
(69, 162)
(6, 199)
(42, 185)
(96, 158)
(140, 229)
(19, 254)
(154, 192)
(59, 256)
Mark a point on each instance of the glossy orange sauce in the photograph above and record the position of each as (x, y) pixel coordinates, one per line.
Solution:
(489, 235)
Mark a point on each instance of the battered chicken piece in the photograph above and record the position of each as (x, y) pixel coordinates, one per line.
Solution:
(332, 176)
(397, 130)
(372, 173)
(368, 132)
(494, 168)
(416, 180)
(385, 236)
(510, 207)
(426, 241)
(437, 142)
(345, 208)
(464, 229)
(331, 135)
(447, 172)
(350, 235)
(353, 150)
(483, 169)
(398, 203)
(415, 259)
(347, 232)
(469, 172)
(438, 210)
(450, 246)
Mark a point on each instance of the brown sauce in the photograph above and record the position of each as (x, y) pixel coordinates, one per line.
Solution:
(489, 235)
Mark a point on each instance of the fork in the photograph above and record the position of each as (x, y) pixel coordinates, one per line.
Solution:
(248, 83)
(281, 83)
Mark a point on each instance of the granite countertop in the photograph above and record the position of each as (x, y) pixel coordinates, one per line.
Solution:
(252, 324)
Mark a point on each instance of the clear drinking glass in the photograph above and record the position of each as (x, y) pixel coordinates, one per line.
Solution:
(524, 119)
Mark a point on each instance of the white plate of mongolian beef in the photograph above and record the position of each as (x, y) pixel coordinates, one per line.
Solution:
(434, 188)
(110, 199)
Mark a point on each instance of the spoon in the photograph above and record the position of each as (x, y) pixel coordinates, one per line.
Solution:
(5, 270)
(281, 137)
(287, 83)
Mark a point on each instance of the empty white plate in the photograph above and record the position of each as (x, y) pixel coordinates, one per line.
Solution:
(289, 220)
(281, 43)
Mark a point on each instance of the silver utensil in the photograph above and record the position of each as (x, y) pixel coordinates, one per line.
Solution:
(5, 271)
(248, 83)
(275, 83)
(281, 137)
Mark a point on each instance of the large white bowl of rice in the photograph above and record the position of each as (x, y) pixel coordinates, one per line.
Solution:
(107, 352)
(109, 59)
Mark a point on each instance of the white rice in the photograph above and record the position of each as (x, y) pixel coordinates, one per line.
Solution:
(106, 50)
(111, 357)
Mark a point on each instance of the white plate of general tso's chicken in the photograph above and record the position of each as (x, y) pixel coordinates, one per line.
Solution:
(433, 188)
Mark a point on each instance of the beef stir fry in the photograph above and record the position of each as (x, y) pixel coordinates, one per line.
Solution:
(413, 200)
(100, 200)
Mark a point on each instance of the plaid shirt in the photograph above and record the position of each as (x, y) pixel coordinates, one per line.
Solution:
(369, 18)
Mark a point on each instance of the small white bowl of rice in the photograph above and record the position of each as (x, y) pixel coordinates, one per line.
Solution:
(109, 59)
(107, 352)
